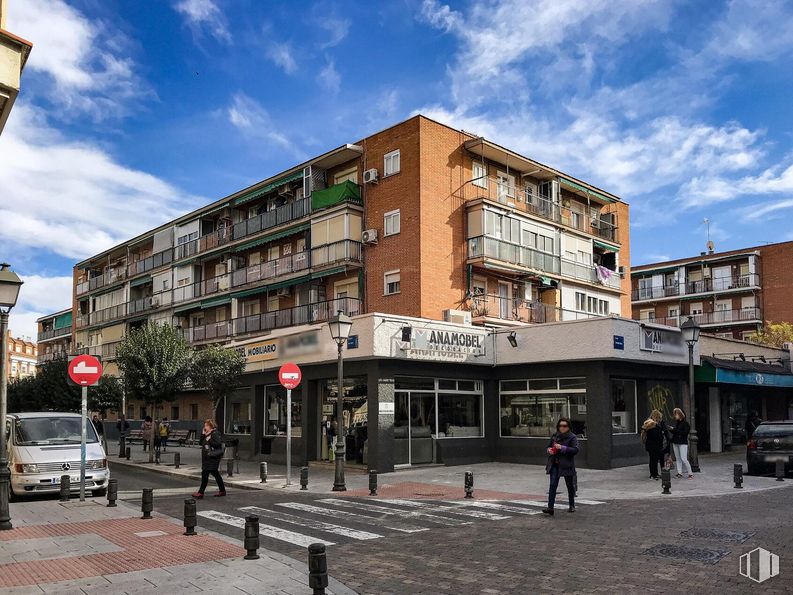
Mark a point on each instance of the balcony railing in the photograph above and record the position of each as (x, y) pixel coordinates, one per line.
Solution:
(149, 263)
(278, 216)
(483, 246)
(519, 310)
(108, 277)
(306, 314)
(584, 272)
(706, 285)
(715, 317)
(342, 251)
(118, 311)
(208, 332)
(52, 333)
(105, 350)
(44, 358)
(583, 219)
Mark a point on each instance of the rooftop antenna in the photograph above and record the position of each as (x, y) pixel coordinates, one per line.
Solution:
(710, 246)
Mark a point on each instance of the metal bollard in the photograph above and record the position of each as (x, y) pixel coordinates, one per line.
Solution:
(129, 452)
(304, 478)
(112, 493)
(469, 484)
(177, 460)
(66, 488)
(251, 537)
(317, 568)
(263, 472)
(122, 446)
(190, 517)
(737, 474)
(780, 470)
(372, 482)
(147, 503)
(230, 467)
(157, 455)
(666, 481)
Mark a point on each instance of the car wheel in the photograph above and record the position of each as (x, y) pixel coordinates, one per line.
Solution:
(754, 469)
(12, 497)
(100, 493)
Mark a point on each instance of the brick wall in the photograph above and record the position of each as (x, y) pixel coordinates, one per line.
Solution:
(623, 221)
(776, 279)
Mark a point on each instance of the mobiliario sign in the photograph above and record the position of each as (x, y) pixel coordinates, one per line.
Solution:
(445, 344)
(261, 351)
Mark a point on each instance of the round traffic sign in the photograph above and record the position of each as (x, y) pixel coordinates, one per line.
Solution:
(85, 370)
(289, 375)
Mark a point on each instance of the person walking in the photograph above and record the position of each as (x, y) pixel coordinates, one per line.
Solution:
(211, 453)
(655, 441)
(562, 448)
(680, 433)
(146, 431)
(164, 431)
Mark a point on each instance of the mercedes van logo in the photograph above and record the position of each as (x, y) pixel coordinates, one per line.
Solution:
(66, 466)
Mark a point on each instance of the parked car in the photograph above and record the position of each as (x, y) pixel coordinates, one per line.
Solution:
(44, 446)
(772, 442)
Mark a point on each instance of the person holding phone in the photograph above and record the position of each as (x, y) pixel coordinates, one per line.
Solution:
(211, 453)
(562, 448)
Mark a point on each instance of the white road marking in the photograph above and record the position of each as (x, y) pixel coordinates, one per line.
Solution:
(558, 501)
(434, 507)
(344, 514)
(311, 523)
(493, 506)
(264, 530)
(410, 514)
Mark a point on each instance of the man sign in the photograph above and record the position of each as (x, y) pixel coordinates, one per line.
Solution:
(85, 371)
(289, 376)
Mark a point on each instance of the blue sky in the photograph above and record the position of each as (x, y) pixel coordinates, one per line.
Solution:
(133, 112)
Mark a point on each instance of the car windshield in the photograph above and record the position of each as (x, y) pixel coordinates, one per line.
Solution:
(34, 431)
(772, 430)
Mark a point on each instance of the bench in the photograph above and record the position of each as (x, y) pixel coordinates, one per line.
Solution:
(181, 437)
(134, 435)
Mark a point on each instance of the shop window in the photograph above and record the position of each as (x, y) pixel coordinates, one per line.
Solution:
(534, 412)
(623, 407)
(404, 383)
(459, 415)
(275, 412)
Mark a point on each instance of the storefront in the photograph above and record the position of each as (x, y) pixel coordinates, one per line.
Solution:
(422, 392)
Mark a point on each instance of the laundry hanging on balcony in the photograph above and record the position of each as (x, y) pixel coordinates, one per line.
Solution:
(603, 274)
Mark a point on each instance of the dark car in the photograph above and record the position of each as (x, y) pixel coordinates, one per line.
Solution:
(772, 442)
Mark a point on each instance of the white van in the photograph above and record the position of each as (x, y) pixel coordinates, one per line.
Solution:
(44, 446)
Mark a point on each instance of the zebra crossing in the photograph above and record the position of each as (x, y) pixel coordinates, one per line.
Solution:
(343, 520)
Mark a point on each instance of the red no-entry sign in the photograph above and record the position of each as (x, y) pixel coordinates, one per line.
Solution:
(85, 370)
(289, 375)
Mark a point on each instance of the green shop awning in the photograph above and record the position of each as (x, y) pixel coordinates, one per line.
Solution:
(140, 281)
(321, 199)
(605, 246)
(254, 194)
(273, 236)
(581, 188)
(715, 370)
(218, 301)
(63, 321)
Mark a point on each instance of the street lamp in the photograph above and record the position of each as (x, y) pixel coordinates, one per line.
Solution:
(340, 326)
(9, 292)
(690, 330)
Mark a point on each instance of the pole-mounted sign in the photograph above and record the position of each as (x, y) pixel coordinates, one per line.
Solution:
(84, 370)
(289, 376)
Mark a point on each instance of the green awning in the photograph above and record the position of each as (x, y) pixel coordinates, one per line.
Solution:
(140, 281)
(651, 272)
(272, 237)
(216, 209)
(271, 287)
(63, 321)
(336, 194)
(218, 301)
(581, 188)
(605, 246)
(185, 308)
(327, 272)
(253, 194)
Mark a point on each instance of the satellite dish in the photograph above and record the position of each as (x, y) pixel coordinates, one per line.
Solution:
(710, 245)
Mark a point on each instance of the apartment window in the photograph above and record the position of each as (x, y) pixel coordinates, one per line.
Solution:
(647, 315)
(592, 305)
(391, 223)
(391, 282)
(250, 308)
(674, 311)
(391, 163)
(576, 219)
(350, 175)
(479, 174)
(174, 412)
(580, 301)
(194, 411)
(603, 307)
(695, 309)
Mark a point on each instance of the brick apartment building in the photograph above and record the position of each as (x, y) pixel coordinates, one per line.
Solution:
(54, 336)
(20, 358)
(730, 294)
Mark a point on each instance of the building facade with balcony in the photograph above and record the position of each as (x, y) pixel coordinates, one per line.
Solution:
(20, 358)
(54, 336)
(730, 294)
(14, 52)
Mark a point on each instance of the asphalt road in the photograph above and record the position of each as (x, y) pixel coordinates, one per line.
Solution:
(399, 546)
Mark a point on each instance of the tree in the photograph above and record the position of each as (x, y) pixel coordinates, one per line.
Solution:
(773, 334)
(217, 369)
(106, 396)
(49, 390)
(155, 363)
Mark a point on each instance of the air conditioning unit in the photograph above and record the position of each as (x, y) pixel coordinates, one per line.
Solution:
(155, 301)
(369, 236)
(457, 316)
(282, 291)
(224, 258)
(621, 271)
(285, 190)
(370, 176)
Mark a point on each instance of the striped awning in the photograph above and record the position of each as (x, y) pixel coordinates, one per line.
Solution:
(140, 281)
(254, 194)
(605, 246)
(218, 301)
(273, 236)
(586, 190)
(185, 308)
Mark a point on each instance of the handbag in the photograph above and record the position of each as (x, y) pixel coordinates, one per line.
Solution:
(217, 452)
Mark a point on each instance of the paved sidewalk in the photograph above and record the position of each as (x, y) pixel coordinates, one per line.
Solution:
(491, 480)
(86, 547)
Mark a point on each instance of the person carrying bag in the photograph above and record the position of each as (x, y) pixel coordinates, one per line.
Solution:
(212, 450)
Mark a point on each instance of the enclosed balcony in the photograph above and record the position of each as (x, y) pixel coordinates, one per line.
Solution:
(598, 275)
(506, 311)
(514, 256)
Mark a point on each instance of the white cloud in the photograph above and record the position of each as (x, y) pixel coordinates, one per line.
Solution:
(73, 198)
(281, 55)
(38, 297)
(337, 29)
(79, 57)
(204, 14)
(329, 77)
(252, 119)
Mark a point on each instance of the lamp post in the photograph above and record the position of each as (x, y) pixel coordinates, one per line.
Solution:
(9, 292)
(340, 326)
(690, 330)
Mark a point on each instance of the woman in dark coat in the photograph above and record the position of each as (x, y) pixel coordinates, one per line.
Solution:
(211, 453)
(680, 443)
(655, 441)
(561, 450)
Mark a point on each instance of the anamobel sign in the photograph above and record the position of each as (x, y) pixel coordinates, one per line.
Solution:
(441, 343)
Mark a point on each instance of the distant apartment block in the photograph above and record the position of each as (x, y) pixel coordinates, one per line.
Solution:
(54, 336)
(730, 294)
(20, 358)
